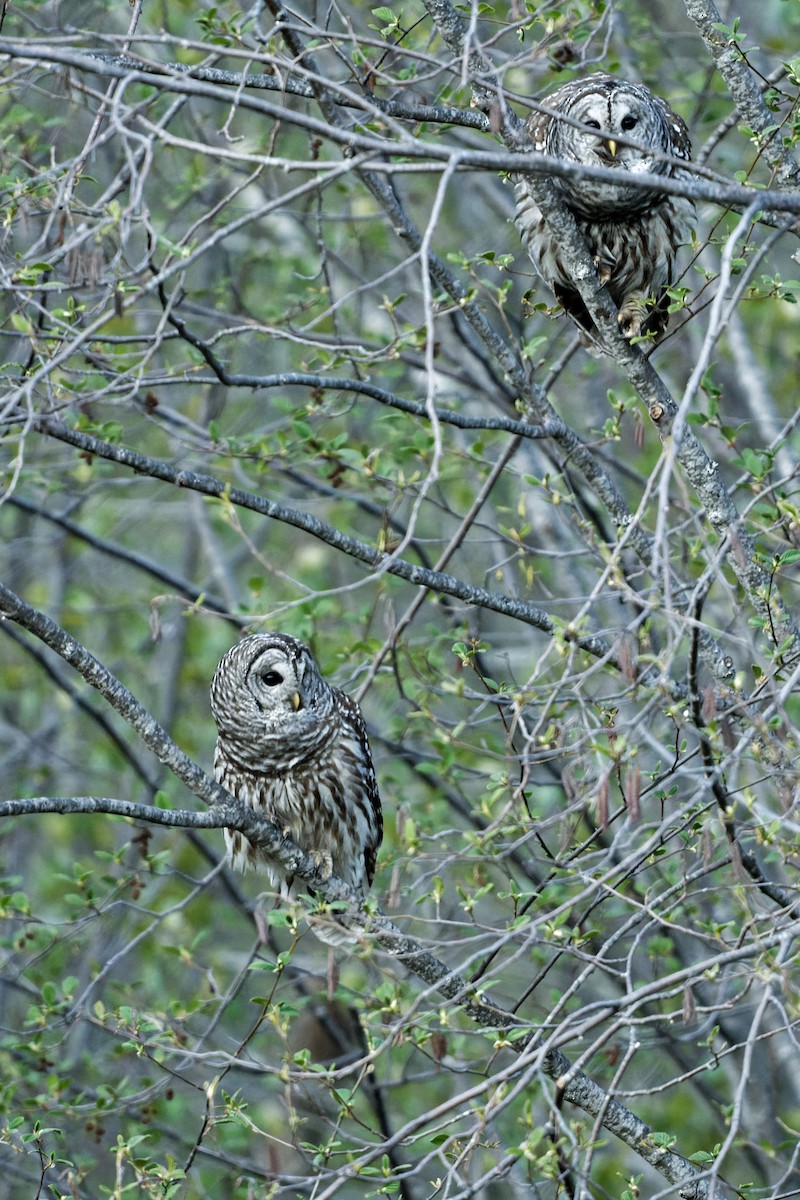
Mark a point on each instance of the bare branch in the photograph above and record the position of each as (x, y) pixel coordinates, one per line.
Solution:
(12, 607)
(745, 90)
(377, 560)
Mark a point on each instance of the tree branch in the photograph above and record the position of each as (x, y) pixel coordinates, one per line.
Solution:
(701, 470)
(425, 155)
(115, 692)
(745, 91)
(377, 560)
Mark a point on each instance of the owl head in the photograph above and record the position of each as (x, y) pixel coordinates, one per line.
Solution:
(610, 111)
(617, 110)
(270, 702)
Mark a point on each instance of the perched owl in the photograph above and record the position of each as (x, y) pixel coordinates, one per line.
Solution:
(633, 234)
(295, 749)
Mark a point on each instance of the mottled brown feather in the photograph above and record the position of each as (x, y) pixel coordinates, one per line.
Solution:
(295, 749)
(633, 234)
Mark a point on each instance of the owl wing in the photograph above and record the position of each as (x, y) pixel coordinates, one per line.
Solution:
(538, 126)
(364, 783)
(680, 142)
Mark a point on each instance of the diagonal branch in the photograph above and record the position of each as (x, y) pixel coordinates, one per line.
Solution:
(702, 471)
(12, 607)
(415, 154)
(745, 91)
(377, 560)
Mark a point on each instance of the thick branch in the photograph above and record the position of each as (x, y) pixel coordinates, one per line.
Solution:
(701, 470)
(745, 91)
(12, 607)
(430, 154)
(434, 581)
(121, 65)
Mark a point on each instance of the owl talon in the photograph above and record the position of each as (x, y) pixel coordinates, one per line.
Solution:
(633, 316)
(323, 862)
(604, 268)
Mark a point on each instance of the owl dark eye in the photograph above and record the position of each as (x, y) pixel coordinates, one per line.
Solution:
(592, 123)
(629, 123)
(272, 678)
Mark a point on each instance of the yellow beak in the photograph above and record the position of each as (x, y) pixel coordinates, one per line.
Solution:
(612, 147)
(296, 701)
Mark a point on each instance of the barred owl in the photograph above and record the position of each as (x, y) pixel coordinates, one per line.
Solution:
(295, 749)
(632, 234)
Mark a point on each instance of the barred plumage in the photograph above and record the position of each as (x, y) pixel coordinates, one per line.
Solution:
(633, 234)
(295, 748)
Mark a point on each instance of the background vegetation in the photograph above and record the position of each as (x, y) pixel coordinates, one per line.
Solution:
(273, 358)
